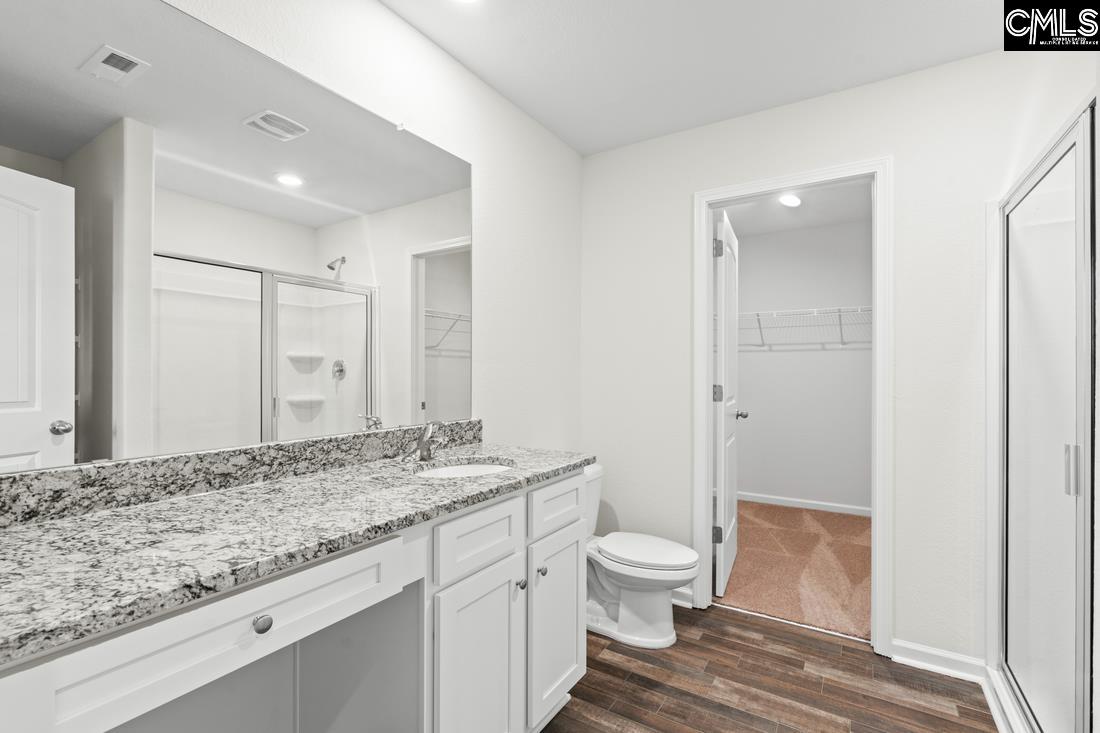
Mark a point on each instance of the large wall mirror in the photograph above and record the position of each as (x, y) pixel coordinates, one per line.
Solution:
(200, 248)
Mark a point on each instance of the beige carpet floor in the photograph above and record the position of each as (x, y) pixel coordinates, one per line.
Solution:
(803, 565)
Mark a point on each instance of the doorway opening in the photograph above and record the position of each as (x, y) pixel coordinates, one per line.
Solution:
(792, 428)
(442, 292)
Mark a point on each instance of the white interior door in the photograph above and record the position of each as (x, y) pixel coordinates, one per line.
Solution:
(725, 405)
(1048, 254)
(36, 322)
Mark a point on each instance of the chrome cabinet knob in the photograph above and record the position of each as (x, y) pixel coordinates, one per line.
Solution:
(544, 570)
(262, 624)
(61, 427)
(522, 584)
(742, 415)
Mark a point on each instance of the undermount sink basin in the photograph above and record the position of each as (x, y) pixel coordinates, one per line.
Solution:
(463, 470)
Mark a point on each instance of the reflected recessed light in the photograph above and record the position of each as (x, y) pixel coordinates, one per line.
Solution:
(789, 199)
(289, 179)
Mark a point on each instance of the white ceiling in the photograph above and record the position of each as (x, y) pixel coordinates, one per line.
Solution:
(200, 87)
(823, 204)
(604, 73)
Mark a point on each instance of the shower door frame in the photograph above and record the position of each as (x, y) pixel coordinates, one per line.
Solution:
(269, 279)
(272, 280)
(1006, 698)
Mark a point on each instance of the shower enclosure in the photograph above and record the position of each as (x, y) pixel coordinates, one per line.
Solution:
(242, 355)
(1046, 436)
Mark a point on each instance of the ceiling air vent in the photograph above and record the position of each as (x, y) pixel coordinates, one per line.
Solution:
(114, 66)
(276, 125)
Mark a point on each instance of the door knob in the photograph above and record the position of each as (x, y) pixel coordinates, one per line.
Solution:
(544, 570)
(61, 427)
(522, 584)
(742, 415)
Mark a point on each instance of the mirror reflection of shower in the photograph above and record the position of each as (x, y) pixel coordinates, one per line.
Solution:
(337, 265)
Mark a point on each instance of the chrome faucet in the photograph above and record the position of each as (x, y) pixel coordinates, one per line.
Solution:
(373, 422)
(422, 449)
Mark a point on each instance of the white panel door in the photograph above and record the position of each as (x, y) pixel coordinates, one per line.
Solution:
(479, 644)
(725, 418)
(36, 322)
(1048, 422)
(556, 567)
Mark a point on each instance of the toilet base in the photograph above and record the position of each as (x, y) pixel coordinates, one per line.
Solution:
(638, 618)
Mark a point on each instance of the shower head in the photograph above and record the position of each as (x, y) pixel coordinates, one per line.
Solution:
(338, 261)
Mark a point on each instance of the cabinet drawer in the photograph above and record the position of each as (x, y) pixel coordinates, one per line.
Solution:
(555, 506)
(104, 685)
(476, 540)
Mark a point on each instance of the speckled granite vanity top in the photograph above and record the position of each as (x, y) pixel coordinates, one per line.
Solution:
(67, 579)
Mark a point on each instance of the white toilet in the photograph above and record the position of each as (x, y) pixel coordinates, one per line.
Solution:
(631, 577)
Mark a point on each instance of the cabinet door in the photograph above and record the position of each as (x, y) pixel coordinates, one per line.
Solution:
(557, 569)
(479, 651)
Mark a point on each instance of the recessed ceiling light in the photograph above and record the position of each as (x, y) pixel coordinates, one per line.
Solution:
(289, 179)
(789, 199)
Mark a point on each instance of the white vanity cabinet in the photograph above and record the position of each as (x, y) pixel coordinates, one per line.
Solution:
(510, 637)
(470, 623)
(556, 646)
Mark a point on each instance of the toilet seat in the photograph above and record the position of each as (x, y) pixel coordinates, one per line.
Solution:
(647, 552)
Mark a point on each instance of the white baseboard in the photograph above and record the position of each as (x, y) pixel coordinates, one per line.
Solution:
(964, 667)
(951, 664)
(1006, 713)
(824, 506)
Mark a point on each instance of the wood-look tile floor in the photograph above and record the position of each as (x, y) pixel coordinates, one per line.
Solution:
(731, 671)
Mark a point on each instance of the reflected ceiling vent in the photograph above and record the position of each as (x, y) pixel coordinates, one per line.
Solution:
(115, 66)
(276, 125)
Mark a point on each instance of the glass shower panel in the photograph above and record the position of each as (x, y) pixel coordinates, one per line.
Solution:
(321, 363)
(205, 356)
(1041, 519)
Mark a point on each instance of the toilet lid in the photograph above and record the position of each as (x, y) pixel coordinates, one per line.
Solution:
(647, 551)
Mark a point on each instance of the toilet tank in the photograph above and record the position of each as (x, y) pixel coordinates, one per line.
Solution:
(593, 483)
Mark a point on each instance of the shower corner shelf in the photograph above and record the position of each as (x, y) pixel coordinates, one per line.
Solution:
(305, 356)
(305, 400)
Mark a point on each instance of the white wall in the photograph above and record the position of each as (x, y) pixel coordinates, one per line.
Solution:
(958, 135)
(113, 178)
(187, 225)
(526, 193)
(808, 437)
(36, 165)
(394, 235)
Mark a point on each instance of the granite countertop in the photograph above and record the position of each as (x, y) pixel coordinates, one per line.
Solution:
(65, 580)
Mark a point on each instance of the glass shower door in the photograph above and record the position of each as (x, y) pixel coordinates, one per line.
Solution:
(1048, 376)
(206, 356)
(321, 368)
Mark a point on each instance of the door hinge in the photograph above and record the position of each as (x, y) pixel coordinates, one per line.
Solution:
(718, 249)
(716, 535)
(717, 393)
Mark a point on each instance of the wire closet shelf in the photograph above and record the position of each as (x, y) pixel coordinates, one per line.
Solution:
(820, 328)
(447, 332)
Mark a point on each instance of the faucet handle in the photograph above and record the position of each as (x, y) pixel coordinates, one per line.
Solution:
(372, 421)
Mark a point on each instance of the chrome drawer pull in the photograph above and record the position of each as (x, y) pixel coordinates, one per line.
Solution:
(262, 624)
